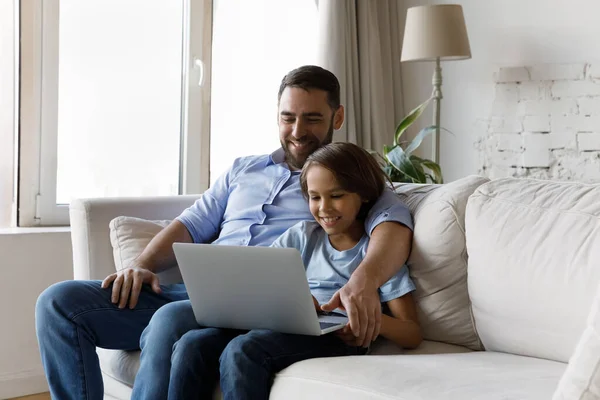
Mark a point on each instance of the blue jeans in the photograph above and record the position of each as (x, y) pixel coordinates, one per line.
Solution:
(250, 361)
(73, 317)
(181, 360)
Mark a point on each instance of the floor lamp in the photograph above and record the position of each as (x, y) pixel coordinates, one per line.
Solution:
(435, 33)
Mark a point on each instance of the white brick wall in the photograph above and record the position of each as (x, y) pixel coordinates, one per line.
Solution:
(575, 89)
(548, 107)
(535, 90)
(506, 100)
(545, 123)
(512, 74)
(556, 72)
(510, 142)
(505, 125)
(536, 124)
(593, 71)
(588, 141)
(537, 150)
(589, 105)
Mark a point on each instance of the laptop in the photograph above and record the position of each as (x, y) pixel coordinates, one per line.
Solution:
(245, 287)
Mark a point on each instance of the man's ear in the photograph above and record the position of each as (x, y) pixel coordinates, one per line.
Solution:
(338, 118)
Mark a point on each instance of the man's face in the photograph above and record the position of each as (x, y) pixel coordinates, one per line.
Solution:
(306, 122)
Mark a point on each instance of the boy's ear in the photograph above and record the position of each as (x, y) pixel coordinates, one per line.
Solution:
(338, 118)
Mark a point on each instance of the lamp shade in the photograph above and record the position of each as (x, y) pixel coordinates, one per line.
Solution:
(435, 31)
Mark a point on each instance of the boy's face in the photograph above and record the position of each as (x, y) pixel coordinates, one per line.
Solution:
(306, 122)
(334, 208)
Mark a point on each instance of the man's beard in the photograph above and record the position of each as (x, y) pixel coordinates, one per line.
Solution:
(298, 162)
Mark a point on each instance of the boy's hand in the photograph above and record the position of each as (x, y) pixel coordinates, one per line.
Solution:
(347, 336)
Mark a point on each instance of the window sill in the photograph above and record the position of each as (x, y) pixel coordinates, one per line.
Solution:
(35, 230)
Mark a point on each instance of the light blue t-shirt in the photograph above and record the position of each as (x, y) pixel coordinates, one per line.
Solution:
(259, 198)
(328, 269)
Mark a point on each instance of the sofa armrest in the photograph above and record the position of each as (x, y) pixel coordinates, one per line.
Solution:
(90, 233)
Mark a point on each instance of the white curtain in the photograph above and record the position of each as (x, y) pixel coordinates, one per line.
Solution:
(360, 42)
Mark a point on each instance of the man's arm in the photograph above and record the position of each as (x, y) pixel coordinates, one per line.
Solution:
(157, 256)
(388, 250)
(197, 223)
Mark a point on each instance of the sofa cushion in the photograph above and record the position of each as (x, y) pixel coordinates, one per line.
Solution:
(438, 259)
(533, 251)
(120, 367)
(581, 380)
(129, 236)
(473, 376)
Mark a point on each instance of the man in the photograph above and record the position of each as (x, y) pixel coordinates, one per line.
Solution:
(252, 204)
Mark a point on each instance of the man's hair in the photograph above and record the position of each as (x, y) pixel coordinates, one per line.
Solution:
(355, 170)
(313, 77)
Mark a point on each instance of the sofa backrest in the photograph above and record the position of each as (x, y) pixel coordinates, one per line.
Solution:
(534, 264)
(438, 259)
(90, 218)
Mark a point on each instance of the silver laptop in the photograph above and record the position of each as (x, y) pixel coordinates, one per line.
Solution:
(244, 287)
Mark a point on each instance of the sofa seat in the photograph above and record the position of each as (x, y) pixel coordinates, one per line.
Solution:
(120, 367)
(474, 376)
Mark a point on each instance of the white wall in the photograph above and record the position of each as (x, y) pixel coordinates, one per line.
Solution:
(502, 33)
(7, 111)
(29, 263)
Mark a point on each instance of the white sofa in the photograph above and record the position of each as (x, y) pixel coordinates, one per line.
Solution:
(508, 266)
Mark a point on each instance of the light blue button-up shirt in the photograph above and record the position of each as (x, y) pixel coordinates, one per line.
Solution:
(259, 198)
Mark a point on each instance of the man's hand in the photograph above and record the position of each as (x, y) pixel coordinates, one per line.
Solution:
(127, 285)
(360, 300)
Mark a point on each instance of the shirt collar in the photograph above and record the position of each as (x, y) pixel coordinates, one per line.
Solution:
(278, 157)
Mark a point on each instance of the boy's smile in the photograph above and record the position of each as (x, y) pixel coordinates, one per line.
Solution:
(334, 208)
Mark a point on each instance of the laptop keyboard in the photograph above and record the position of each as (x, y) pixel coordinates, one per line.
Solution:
(325, 325)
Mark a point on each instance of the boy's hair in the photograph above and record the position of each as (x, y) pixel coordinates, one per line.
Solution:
(355, 170)
(312, 77)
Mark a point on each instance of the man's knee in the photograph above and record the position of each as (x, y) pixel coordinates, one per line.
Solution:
(57, 298)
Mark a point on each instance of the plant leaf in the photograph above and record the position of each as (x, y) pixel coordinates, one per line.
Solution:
(386, 150)
(436, 169)
(409, 119)
(432, 166)
(419, 139)
(400, 161)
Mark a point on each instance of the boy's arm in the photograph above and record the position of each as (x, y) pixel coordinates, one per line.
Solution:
(388, 250)
(403, 326)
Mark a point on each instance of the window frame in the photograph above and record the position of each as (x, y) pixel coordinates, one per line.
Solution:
(39, 108)
(9, 98)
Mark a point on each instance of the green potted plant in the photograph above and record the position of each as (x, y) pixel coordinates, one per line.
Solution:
(401, 164)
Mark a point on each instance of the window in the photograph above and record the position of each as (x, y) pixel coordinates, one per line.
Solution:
(131, 97)
(255, 43)
(116, 84)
